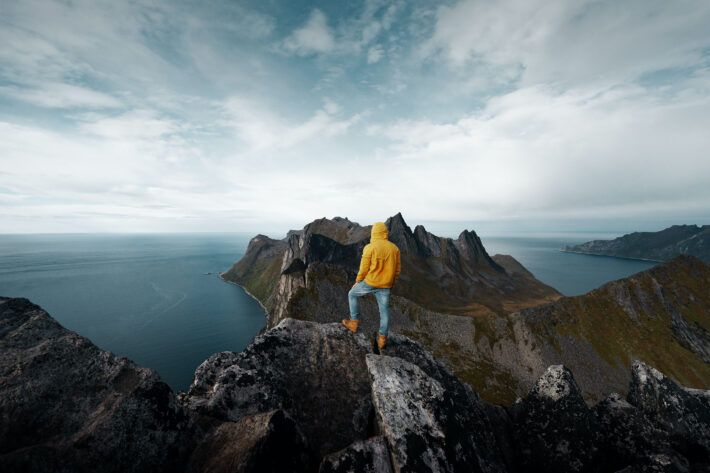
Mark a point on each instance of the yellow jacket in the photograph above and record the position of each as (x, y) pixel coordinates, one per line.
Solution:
(380, 264)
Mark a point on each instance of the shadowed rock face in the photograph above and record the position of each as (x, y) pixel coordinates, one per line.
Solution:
(554, 429)
(307, 397)
(68, 406)
(683, 413)
(366, 456)
(264, 442)
(316, 373)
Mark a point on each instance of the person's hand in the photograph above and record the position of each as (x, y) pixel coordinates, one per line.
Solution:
(354, 286)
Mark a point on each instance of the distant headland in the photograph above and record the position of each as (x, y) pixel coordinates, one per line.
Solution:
(652, 246)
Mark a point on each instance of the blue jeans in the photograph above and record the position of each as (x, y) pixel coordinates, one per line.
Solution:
(382, 294)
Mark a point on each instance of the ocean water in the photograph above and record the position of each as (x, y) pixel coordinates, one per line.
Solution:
(141, 296)
(147, 297)
(570, 273)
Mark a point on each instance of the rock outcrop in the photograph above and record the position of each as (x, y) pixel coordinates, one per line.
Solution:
(655, 246)
(440, 274)
(307, 397)
(365, 456)
(268, 441)
(471, 310)
(68, 406)
(315, 373)
(553, 428)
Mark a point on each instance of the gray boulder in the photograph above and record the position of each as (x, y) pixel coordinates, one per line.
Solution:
(430, 425)
(314, 372)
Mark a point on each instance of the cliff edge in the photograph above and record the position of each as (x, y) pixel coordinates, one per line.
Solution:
(309, 397)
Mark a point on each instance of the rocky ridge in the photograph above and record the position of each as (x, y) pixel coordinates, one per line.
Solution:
(315, 397)
(655, 246)
(439, 274)
(501, 355)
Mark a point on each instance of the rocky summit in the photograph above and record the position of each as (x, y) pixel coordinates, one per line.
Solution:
(493, 324)
(310, 397)
(454, 276)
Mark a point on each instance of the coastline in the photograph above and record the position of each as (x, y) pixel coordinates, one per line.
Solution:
(245, 290)
(562, 250)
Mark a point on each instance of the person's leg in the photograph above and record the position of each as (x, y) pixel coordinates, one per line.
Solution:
(383, 303)
(359, 290)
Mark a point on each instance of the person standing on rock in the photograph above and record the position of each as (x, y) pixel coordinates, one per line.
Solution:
(379, 271)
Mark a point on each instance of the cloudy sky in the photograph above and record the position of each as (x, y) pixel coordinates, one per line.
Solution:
(156, 115)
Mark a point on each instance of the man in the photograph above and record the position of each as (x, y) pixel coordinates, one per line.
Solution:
(379, 271)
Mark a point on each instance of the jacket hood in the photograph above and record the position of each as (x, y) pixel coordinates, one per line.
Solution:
(379, 231)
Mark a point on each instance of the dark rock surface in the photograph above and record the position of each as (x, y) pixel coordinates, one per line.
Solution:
(554, 430)
(662, 427)
(631, 438)
(683, 413)
(267, 442)
(308, 397)
(365, 456)
(68, 406)
(656, 246)
(314, 372)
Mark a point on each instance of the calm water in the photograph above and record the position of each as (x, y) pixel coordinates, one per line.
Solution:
(570, 273)
(147, 297)
(141, 296)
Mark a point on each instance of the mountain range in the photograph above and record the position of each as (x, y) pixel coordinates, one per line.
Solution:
(493, 324)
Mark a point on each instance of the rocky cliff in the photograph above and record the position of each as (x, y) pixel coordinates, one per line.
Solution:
(655, 246)
(309, 397)
(440, 274)
(661, 316)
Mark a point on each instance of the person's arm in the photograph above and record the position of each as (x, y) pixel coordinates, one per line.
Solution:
(397, 269)
(364, 264)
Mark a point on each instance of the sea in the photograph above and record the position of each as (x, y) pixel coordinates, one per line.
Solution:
(158, 299)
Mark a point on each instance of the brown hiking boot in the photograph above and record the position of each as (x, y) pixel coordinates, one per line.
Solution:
(351, 324)
(381, 340)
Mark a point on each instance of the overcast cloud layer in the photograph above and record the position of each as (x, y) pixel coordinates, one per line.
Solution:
(228, 116)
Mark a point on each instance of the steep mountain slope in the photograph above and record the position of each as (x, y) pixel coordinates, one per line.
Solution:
(660, 316)
(656, 246)
(441, 274)
(458, 302)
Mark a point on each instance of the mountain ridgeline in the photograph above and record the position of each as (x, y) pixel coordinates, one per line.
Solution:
(306, 397)
(488, 318)
(441, 274)
(655, 246)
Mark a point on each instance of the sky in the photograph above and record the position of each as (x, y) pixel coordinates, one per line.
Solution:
(170, 116)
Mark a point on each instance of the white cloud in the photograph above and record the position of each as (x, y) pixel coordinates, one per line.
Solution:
(262, 129)
(313, 37)
(536, 152)
(57, 95)
(374, 54)
(136, 124)
(571, 42)
(159, 117)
